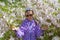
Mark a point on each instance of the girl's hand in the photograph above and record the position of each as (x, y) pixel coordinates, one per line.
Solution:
(15, 28)
(44, 28)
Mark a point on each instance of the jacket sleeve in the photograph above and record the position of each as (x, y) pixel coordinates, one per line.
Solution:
(20, 31)
(39, 31)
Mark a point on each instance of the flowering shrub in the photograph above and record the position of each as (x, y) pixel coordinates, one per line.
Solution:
(47, 12)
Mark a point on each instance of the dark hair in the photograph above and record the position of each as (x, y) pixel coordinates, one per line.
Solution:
(28, 10)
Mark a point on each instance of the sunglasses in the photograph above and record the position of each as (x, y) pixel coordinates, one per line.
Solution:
(29, 15)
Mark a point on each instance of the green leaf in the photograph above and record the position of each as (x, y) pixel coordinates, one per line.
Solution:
(17, 21)
(1, 15)
(58, 1)
(5, 1)
(2, 38)
(48, 20)
(11, 17)
(5, 9)
(51, 4)
(7, 35)
(45, 1)
(19, 17)
(54, 13)
(58, 8)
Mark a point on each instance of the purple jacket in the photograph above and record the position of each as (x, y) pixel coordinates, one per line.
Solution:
(29, 30)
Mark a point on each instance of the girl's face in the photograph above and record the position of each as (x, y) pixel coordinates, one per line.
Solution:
(29, 15)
